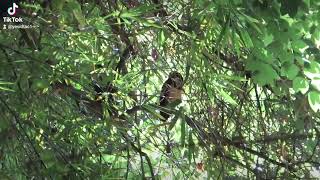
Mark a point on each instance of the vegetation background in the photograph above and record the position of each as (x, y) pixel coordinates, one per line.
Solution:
(79, 93)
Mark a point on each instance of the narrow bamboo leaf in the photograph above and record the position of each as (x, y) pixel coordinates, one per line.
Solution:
(6, 89)
(245, 37)
(5, 82)
(183, 132)
(152, 111)
(227, 97)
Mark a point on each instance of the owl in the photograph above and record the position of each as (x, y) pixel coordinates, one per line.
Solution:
(171, 91)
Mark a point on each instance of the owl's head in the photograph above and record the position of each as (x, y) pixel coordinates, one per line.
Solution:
(177, 79)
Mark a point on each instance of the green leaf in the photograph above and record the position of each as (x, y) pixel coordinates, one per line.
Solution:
(161, 38)
(5, 82)
(223, 32)
(183, 132)
(40, 84)
(299, 124)
(231, 77)
(191, 147)
(316, 84)
(262, 73)
(136, 12)
(148, 23)
(48, 157)
(4, 124)
(246, 39)
(174, 120)
(267, 39)
(6, 89)
(300, 84)
(291, 72)
(58, 4)
(313, 70)
(310, 144)
(314, 100)
(152, 111)
(129, 14)
(285, 56)
(252, 21)
(227, 97)
(316, 34)
(77, 12)
(299, 45)
(306, 4)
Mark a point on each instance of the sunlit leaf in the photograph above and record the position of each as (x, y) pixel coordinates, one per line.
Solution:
(313, 70)
(152, 111)
(316, 84)
(300, 84)
(314, 100)
(227, 97)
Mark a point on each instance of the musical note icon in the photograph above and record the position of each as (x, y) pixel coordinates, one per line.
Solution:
(12, 10)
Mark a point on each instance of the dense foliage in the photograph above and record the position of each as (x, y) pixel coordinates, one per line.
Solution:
(79, 92)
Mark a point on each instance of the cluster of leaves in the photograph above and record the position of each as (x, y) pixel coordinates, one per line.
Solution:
(251, 98)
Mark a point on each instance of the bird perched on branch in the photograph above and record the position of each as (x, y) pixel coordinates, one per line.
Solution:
(171, 92)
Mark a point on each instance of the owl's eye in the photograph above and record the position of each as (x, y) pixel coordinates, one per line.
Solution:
(177, 81)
